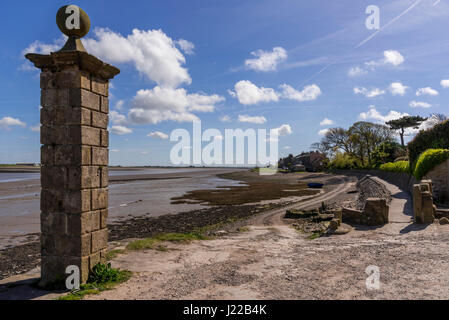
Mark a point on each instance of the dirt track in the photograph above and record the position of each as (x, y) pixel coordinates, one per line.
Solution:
(274, 261)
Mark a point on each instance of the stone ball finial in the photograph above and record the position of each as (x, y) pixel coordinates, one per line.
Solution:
(73, 21)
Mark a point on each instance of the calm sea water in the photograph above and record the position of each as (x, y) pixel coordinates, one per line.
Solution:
(13, 176)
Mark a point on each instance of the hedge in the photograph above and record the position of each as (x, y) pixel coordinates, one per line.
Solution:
(399, 166)
(428, 160)
(434, 138)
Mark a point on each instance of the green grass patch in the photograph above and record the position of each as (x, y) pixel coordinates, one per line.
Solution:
(154, 242)
(102, 278)
(315, 235)
(112, 254)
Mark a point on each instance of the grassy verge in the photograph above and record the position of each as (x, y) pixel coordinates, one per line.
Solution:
(154, 242)
(102, 278)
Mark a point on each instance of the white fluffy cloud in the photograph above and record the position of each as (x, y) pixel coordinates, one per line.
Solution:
(7, 122)
(445, 83)
(265, 60)
(117, 118)
(225, 118)
(120, 130)
(393, 57)
(284, 130)
(369, 93)
(119, 105)
(419, 104)
(375, 115)
(162, 103)
(398, 89)
(309, 93)
(327, 122)
(323, 132)
(152, 52)
(248, 93)
(356, 71)
(249, 119)
(186, 46)
(426, 91)
(158, 135)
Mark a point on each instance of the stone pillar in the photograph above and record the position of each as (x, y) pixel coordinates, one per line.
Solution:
(423, 206)
(74, 158)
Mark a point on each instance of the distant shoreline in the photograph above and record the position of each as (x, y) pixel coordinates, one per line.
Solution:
(25, 169)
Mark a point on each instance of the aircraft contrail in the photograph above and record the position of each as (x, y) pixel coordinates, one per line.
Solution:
(370, 37)
(388, 24)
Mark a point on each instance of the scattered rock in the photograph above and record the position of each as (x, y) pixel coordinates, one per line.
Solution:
(444, 220)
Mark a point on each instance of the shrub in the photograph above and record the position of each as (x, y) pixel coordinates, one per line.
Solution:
(400, 166)
(434, 138)
(428, 160)
(104, 273)
(343, 162)
(387, 152)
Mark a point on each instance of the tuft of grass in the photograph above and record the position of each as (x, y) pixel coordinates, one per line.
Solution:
(314, 236)
(151, 243)
(102, 278)
(112, 254)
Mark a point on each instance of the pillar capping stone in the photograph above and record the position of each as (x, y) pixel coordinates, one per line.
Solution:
(62, 60)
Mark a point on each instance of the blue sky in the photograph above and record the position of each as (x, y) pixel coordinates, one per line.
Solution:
(292, 65)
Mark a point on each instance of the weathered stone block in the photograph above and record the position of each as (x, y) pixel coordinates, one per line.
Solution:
(99, 199)
(100, 120)
(55, 97)
(428, 210)
(84, 98)
(417, 204)
(100, 156)
(83, 223)
(104, 173)
(47, 155)
(104, 218)
(105, 104)
(54, 134)
(99, 240)
(85, 177)
(65, 79)
(84, 135)
(77, 201)
(54, 177)
(94, 259)
(52, 201)
(351, 215)
(55, 223)
(100, 86)
(72, 155)
(376, 211)
(104, 138)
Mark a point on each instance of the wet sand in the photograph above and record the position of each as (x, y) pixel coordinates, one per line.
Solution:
(132, 193)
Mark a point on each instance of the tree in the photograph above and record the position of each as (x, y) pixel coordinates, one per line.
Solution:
(405, 122)
(387, 152)
(367, 137)
(337, 139)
